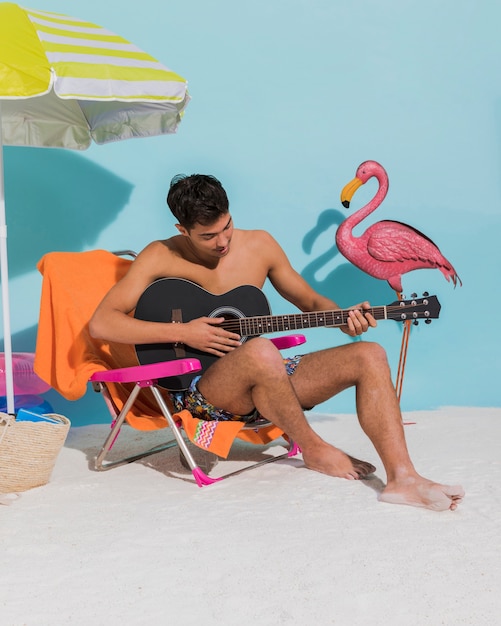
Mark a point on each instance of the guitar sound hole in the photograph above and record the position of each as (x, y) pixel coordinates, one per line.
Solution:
(230, 314)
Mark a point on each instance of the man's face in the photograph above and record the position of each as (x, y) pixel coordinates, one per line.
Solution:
(213, 239)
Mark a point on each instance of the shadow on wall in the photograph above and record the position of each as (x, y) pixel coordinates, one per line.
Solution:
(56, 200)
(344, 283)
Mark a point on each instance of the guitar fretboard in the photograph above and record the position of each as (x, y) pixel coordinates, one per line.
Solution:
(261, 324)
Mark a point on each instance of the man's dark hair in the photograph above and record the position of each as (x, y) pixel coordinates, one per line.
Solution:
(198, 198)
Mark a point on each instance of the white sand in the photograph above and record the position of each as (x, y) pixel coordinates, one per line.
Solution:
(142, 544)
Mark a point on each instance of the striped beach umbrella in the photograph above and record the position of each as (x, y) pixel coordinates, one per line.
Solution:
(65, 82)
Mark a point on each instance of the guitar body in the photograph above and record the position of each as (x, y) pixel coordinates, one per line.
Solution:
(175, 299)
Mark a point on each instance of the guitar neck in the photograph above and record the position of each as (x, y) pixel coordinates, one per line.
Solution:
(261, 324)
(245, 311)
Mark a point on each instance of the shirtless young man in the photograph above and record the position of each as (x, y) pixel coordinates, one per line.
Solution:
(209, 251)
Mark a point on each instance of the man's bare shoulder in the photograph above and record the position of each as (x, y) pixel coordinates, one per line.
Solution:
(162, 247)
(257, 238)
(263, 243)
(158, 258)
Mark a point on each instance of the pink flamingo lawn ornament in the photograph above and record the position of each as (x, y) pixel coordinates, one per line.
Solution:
(387, 249)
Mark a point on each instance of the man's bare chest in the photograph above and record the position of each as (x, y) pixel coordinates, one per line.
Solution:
(244, 264)
(222, 278)
(221, 281)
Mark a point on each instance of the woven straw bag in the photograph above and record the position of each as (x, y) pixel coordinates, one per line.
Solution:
(28, 451)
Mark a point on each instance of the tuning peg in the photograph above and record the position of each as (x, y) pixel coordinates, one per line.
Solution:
(413, 295)
(416, 323)
(428, 321)
(425, 294)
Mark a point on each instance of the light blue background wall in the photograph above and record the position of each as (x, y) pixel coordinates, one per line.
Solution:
(289, 97)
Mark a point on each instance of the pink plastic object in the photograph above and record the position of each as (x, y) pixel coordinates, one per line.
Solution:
(26, 382)
(288, 341)
(146, 373)
(202, 478)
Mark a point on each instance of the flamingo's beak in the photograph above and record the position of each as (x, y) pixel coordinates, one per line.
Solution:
(349, 191)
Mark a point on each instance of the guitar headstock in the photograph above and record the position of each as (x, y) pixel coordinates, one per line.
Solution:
(427, 308)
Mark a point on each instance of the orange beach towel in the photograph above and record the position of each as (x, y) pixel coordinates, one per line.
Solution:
(66, 355)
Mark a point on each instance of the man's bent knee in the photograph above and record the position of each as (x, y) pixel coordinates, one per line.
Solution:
(372, 354)
(250, 362)
(263, 354)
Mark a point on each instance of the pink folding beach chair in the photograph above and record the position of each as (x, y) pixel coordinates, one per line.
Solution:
(148, 376)
(67, 358)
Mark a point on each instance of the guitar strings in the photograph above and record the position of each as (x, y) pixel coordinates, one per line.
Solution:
(257, 322)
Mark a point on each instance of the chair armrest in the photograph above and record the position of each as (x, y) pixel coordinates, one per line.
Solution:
(154, 371)
(288, 341)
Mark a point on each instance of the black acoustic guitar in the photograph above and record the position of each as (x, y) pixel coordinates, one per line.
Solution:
(247, 313)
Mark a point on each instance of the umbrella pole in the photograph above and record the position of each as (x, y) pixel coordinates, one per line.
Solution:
(4, 277)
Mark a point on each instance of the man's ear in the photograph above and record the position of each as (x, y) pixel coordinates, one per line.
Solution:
(182, 230)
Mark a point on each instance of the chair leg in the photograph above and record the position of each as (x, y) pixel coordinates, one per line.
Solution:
(100, 463)
(200, 476)
(292, 451)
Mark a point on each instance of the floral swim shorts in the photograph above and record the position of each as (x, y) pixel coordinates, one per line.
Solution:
(198, 406)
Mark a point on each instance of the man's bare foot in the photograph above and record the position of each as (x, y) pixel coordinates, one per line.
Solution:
(330, 460)
(418, 491)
